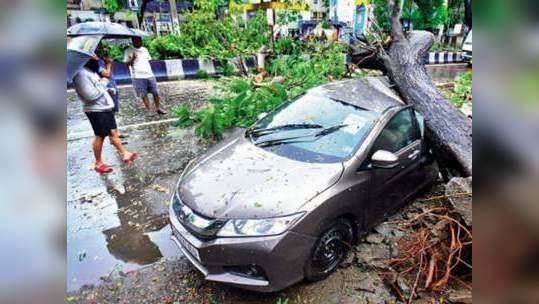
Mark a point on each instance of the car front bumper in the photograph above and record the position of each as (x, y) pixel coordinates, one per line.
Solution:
(282, 257)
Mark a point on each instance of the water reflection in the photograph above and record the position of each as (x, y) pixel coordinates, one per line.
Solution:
(129, 242)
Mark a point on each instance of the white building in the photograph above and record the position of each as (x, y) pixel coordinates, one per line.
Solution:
(317, 10)
(93, 10)
(354, 13)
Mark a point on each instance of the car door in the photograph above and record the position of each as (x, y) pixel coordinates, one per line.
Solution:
(390, 187)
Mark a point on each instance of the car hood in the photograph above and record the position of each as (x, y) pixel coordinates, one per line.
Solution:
(236, 179)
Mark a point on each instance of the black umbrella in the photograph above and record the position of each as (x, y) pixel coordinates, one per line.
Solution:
(106, 29)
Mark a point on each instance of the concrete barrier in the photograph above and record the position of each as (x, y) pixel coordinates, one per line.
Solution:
(443, 57)
(176, 69)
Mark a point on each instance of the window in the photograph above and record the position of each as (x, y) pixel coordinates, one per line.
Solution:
(312, 108)
(398, 133)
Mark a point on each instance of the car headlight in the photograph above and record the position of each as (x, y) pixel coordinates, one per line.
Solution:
(258, 227)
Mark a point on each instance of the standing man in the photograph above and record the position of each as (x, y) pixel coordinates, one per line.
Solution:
(144, 82)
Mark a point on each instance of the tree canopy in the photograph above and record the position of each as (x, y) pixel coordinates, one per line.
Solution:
(424, 14)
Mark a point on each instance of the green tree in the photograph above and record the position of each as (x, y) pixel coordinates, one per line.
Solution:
(455, 12)
(424, 14)
(430, 14)
(112, 6)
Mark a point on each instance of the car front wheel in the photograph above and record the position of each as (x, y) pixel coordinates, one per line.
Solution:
(331, 249)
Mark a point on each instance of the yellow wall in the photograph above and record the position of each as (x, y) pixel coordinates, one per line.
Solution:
(233, 6)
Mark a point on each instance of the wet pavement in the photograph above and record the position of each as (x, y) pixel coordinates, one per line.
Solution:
(118, 246)
(443, 73)
(118, 221)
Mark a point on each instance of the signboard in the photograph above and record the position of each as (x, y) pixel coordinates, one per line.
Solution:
(165, 18)
(235, 5)
(360, 18)
(270, 16)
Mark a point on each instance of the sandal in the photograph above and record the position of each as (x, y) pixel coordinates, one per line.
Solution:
(102, 169)
(131, 158)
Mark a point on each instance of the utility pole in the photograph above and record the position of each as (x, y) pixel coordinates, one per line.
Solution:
(174, 15)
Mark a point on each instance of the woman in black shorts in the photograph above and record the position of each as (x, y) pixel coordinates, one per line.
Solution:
(98, 106)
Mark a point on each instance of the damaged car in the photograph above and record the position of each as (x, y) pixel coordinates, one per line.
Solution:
(284, 200)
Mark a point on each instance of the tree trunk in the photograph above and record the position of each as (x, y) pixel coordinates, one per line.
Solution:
(142, 11)
(468, 13)
(447, 128)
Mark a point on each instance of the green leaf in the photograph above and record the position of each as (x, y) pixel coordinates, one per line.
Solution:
(184, 116)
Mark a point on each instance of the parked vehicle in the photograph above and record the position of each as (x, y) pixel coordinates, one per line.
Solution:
(467, 47)
(283, 200)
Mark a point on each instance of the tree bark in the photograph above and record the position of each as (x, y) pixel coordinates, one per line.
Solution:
(449, 131)
(468, 13)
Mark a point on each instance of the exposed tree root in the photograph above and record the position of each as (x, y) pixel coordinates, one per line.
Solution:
(431, 252)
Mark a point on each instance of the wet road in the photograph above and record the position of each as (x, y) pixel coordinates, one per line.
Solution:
(443, 73)
(117, 222)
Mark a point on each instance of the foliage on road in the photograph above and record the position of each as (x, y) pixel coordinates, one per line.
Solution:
(241, 100)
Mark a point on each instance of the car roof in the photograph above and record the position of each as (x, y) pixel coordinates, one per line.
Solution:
(370, 93)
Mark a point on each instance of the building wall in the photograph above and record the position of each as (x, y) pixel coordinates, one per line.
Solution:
(86, 15)
(342, 11)
(91, 4)
(317, 10)
(346, 11)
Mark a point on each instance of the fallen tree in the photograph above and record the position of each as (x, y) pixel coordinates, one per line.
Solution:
(447, 129)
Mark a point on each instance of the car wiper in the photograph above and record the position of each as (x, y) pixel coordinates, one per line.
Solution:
(329, 130)
(294, 139)
(280, 141)
(264, 131)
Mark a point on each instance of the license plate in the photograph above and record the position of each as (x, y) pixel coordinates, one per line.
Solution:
(187, 246)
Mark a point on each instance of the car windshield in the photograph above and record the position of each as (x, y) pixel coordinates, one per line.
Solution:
(314, 128)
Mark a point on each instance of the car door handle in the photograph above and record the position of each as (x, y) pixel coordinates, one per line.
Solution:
(414, 154)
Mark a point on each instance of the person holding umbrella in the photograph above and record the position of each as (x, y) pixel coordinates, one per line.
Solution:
(106, 71)
(98, 106)
(83, 70)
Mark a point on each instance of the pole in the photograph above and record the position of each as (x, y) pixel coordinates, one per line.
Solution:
(174, 15)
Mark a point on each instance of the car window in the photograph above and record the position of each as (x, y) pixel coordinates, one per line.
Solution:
(398, 133)
(326, 112)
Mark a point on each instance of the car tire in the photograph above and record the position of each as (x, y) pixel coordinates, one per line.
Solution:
(330, 250)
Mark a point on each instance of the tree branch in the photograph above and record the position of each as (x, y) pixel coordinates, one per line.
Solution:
(420, 42)
(397, 33)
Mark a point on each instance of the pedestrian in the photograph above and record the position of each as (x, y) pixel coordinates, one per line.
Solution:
(144, 82)
(98, 107)
(106, 71)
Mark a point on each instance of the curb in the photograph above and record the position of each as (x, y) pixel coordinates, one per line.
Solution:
(177, 69)
(443, 57)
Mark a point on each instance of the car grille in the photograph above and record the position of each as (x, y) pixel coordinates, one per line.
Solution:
(200, 226)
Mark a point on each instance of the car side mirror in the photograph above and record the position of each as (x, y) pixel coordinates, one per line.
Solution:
(261, 115)
(384, 159)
